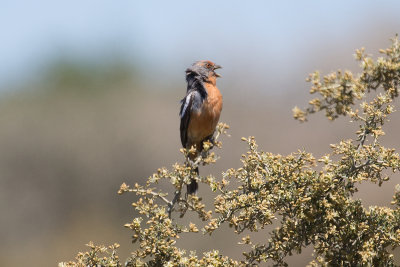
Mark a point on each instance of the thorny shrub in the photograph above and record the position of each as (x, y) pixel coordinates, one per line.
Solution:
(311, 200)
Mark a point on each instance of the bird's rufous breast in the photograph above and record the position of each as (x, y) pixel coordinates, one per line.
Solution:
(203, 123)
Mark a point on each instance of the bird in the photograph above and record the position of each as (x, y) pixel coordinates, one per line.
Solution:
(200, 109)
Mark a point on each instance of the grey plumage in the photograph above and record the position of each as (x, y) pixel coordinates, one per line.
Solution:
(195, 95)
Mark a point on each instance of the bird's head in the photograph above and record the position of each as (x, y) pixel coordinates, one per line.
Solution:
(205, 70)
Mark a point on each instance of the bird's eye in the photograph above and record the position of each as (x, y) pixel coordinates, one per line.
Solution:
(208, 65)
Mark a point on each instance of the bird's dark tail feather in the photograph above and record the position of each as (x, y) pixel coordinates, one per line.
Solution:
(193, 186)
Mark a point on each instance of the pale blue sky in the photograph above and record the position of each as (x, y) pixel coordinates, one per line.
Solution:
(169, 35)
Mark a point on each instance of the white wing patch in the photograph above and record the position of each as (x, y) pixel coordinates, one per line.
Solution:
(185, 106)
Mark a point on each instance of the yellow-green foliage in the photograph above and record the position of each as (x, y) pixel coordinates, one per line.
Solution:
(93, 257)
(311, 199)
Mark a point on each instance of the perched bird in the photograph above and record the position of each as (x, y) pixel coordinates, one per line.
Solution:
(200, 109)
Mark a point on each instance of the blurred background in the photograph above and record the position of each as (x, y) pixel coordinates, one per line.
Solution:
(89, 98)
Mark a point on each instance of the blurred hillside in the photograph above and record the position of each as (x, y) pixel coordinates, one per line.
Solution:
(72, 135)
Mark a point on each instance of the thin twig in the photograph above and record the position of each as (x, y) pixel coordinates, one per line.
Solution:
(143, 191)
(172, 203)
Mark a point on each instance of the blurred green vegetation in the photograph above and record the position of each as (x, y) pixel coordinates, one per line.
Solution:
(88, 77)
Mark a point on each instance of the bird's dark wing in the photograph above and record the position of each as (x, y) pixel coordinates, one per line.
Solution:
(191, 103)
(186, 106)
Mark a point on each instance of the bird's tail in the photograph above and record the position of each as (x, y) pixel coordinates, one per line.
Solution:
(193, 186)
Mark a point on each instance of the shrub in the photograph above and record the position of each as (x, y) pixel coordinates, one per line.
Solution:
(311, 200)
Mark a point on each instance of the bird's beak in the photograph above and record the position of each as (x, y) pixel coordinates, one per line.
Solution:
(215, 68)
